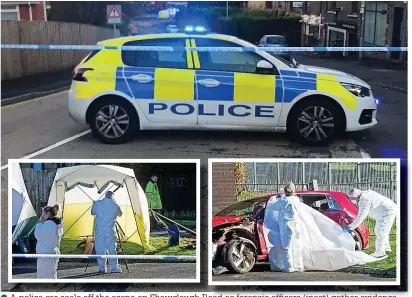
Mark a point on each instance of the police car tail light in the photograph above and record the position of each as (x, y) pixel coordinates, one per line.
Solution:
(356, 90)
(78, 74)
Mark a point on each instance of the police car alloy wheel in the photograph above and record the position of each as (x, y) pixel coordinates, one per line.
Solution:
(316, 122)
(113, 122)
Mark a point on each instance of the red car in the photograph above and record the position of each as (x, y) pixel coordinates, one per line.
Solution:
(238, 238)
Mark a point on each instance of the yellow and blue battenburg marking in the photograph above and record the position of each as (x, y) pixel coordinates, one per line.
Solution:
(188, 85)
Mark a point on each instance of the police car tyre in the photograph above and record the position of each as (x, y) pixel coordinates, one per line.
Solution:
(316, 121)
(113, 120)
(240, 256)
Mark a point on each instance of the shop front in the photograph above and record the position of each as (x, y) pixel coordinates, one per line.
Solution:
(312, 31)
(343, 34)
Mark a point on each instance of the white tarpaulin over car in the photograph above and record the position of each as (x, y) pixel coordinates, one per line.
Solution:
(23, 215)
(325, 245)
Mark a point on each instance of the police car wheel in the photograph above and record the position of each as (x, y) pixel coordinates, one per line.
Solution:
(315, 122)
(113, 122)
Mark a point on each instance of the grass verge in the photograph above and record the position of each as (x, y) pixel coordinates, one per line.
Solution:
(159, 243)
(390, 262)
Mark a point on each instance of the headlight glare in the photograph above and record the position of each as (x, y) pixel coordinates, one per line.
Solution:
(356, 90)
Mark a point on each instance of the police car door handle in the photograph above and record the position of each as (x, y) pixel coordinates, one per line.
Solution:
(208, 82)
(142, 78)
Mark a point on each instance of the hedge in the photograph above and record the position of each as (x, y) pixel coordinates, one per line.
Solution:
(249, 25)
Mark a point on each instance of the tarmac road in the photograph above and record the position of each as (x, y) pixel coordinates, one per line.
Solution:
(262, 273)
(43, 123)
(185, 271)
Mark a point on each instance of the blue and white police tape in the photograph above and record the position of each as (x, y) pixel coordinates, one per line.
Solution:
(205, 49)
(129, 257)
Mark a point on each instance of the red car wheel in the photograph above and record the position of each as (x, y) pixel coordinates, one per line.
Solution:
(240, 256)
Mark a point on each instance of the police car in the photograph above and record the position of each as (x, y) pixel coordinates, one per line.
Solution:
(118, 92)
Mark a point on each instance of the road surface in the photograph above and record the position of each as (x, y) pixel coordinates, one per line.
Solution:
(262, 273)
(144, 271)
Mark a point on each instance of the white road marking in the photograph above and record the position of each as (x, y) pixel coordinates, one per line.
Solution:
(49, 148)
(364, 154)
(32, 100)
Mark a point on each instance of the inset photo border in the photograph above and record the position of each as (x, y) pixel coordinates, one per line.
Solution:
(163, 192)
(242, 233)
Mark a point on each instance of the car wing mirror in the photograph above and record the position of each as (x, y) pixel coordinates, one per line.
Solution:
(262, 64)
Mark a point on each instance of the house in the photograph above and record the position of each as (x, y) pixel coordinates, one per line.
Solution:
(24, 11)
(289, 7)
(356, 23)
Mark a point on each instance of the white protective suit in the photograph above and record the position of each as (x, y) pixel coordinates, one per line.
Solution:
(48, 235)
(300, 238)
(381, 209)
(106, 212)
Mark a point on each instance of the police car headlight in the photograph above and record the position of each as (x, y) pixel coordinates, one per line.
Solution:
(356, 90)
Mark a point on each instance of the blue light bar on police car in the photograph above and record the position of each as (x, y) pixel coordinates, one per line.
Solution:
(197, 29)
(200, 29)
(189, 29)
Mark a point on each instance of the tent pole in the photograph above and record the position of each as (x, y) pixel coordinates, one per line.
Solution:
(173, 222)
(134, 214)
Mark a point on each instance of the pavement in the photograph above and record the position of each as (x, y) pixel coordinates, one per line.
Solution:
(137, 271)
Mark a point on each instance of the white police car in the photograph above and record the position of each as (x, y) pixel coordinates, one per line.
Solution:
(117, 92)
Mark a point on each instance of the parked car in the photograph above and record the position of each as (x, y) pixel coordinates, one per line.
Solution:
(172, 29)
(157, 90)
(238, 236)
(275, 41)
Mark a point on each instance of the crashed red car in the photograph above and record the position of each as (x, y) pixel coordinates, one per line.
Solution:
(238, 238)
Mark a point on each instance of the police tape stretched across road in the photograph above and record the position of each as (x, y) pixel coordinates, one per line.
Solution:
(204, 49)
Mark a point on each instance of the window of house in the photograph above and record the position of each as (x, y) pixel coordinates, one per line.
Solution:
(9, 13)
(354, 7)
(269, 4)
(375, 23)
(161, 59)
(331, 5)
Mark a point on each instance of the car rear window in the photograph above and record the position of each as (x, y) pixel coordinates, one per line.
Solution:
(162, 59)
(276, 40)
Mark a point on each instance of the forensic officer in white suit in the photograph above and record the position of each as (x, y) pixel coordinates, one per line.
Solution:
(379, 208)
(106, 212)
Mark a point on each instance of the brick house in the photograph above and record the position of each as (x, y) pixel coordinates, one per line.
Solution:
(356, 23)
(24, 11)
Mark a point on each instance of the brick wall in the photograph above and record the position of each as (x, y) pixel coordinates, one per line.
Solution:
(223, 186)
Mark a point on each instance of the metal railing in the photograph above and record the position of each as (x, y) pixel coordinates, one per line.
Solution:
(268, 178)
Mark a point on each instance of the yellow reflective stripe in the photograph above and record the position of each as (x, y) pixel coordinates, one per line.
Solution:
(195, 55)
(253, 88)
(330, 84)
(189, 55)
(174, 84)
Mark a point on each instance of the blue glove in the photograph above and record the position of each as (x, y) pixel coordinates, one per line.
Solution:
(345, 229)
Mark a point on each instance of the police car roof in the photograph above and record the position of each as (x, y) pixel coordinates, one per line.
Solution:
(122, 40)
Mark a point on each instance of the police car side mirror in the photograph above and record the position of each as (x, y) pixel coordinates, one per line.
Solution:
(262, 64)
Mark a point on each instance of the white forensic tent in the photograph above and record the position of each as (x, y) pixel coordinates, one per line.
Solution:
(24, 217)
(76, 200)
